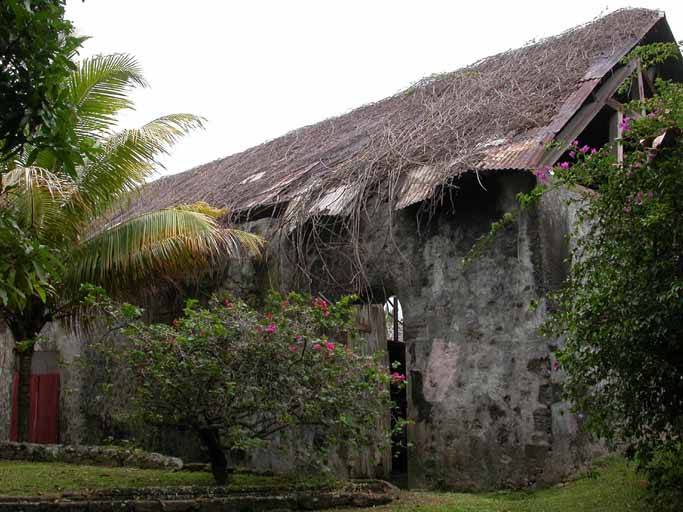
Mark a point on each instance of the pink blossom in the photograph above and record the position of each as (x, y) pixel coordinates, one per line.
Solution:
(594, 151)
(543, 175)
(572, 154)
(174, 323)
(575, 143)
(585, 149)
(397, 378)
(316, 346)
(228, 304)
(627, 209)
(259, 328)
(298, 337)
(625, 124)
(293, 348)
(271, 328)
(564, 165)
(329, 346)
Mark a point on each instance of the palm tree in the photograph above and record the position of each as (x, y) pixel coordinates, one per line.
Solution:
(67, 211)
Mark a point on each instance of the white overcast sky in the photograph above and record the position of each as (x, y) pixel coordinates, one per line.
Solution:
(257, 69)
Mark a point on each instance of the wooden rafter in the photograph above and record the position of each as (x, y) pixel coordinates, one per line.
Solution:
(585, 114)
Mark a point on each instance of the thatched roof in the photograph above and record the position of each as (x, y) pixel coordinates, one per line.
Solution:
(498, 113)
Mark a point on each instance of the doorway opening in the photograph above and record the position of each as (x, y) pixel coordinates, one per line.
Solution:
(396, 350)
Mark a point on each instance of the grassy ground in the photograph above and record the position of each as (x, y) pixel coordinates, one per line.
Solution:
(611, 487)
(46, 479)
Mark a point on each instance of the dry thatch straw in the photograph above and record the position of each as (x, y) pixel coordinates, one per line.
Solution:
(498, 113)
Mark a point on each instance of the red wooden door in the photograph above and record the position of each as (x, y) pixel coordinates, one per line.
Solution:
(43, 411)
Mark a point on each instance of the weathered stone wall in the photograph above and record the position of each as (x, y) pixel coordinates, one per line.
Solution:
(88, 455)
(68, 343)
(483, 398)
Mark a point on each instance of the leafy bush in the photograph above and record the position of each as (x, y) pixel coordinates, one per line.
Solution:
(664, 470)
(237, 376)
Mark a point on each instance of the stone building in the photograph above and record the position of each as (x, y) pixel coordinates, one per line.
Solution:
(389, 199)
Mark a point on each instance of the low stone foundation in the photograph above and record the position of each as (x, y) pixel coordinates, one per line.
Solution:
(206, 499)
(88, 455)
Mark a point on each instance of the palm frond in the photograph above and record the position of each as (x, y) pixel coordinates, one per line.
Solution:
(99, 88)
(37, 197)
(127, 159)
(164, 243)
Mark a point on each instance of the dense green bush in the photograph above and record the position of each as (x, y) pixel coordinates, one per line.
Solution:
(236, 376)
(664, 470)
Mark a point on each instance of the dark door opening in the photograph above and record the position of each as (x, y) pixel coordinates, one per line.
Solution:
(397, 364)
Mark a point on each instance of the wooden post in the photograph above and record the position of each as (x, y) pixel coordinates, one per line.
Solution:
(641, 86)
(620, 134)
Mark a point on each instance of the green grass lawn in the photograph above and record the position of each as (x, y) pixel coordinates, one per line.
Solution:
(612, 486)
(47, 479)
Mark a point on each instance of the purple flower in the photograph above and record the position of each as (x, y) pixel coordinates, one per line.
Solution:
(627, 209)
(585, 149)
(271, 328)
(564, 165)
(575, 143)
(543, 175)
(572, 154)
(625, 124)
(594, 151)
(639, 198)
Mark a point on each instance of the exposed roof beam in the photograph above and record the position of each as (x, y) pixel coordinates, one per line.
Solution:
(585, 114)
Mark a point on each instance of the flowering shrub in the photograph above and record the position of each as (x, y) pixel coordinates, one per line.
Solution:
(621, 309)
(236, 376)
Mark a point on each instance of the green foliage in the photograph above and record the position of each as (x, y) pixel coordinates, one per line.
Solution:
(36, 48)
(27, 268)
(620, 310)
(238, 376)
(664, 470)
(649, 55)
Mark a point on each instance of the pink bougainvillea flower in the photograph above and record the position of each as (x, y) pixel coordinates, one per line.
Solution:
(298, 337)
(316, 346)
(543, 175)
(293, 348)
(564, 165)
(271, 328)
(329, 346)
(397, 378)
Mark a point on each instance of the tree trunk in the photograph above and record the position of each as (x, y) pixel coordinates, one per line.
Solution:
(24, 398)
(219, 464)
